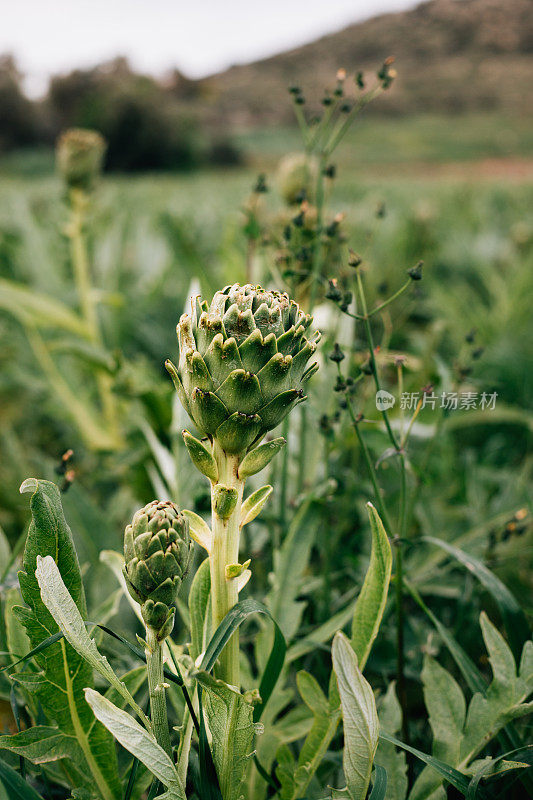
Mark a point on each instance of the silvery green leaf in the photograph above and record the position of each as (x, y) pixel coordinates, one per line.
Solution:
(370, 604)
(136, 740)
(388, 756)
(228, 717)
(199, 529)
(253, 505)
(295, 777)
(361, 726)
(63, 609)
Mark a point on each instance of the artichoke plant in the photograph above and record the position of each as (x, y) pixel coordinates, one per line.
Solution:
(243, 361)
(156, 552)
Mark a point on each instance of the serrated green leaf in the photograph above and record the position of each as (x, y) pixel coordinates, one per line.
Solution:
(18, 643)
(61, 606)
(360, 719)
(229, 718)
(64, 673)
(136, 740)
(42, 744)
(370, 604)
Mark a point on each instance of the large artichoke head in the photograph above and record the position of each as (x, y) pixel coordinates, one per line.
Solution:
(156, 554)
(243, 361)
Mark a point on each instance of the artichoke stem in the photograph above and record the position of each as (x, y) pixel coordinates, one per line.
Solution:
(156, 688)
(225, 550)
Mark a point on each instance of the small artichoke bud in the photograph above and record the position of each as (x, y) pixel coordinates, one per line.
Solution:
(243, 362)
(79, 155)
(156, 552)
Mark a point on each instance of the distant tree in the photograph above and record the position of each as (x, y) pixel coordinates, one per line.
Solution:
(18, 116)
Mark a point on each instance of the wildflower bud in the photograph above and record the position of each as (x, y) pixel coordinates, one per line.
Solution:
(336, 354)
(156, 552)
(380, 210)
(346, 108)
(470, 336)
(346, 300)
(354, 259)
(415, 273)
(294, 90)
(333, 292)
(366, 367)
(330, 171)
(299, 100)
(359, 80)
(340, 385)
(327, 100)
(79, 157)
(477, 353)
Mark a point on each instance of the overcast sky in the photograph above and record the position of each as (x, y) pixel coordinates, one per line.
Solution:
(197, 36)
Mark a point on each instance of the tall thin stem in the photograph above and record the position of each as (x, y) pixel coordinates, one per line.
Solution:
(156, 688)
(82, 277)
(402, 517)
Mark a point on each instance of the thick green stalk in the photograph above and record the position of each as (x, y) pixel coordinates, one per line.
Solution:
(156, 688)
(224, 551)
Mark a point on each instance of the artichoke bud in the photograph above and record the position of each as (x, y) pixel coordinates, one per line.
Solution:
(243, 361)
(225, 500)
(156, 553)
(79, 155)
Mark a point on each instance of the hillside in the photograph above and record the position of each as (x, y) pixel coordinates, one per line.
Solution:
(451, 55)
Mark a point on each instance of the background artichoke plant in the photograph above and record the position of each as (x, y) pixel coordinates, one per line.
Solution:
(156, 551)
(242, 363)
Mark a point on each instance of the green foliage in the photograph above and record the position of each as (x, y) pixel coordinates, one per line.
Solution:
(360, 718)
(460, 734)
(62, 673)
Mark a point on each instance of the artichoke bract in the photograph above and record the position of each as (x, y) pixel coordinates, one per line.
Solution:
(243, 361)
(156, 553)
